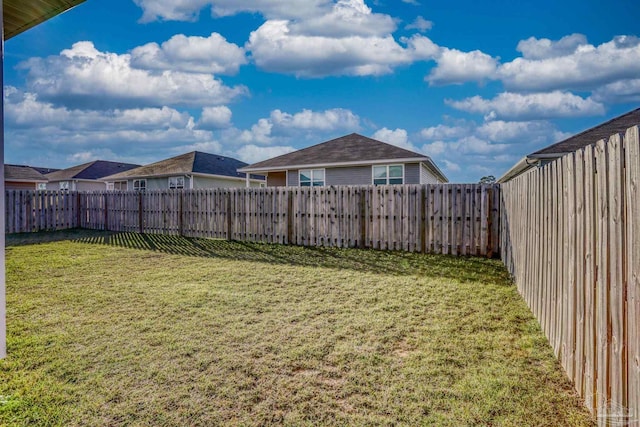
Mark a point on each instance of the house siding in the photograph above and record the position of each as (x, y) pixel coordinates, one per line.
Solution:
(204, 182)
(78, 185)
(13, 185)
(160, 183)
(426, 176)
(89, 186)
(360, 175)
(356, 175)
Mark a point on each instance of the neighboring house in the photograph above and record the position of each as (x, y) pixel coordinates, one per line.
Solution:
(350, 160)
(85, 177)
(191, 170)
(18, 177)
(572, 144)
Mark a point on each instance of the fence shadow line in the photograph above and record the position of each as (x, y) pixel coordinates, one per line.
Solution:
(397, 263)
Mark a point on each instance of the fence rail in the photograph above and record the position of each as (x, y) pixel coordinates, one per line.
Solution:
(448, 219)
(571, 239)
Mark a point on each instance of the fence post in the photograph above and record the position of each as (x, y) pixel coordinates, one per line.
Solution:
(106, 213)
(78, 213)
(290, 215)
(422, 218)
(363, 213)
(181, 213)
(490, 213)
(140, 213)
(229, 223)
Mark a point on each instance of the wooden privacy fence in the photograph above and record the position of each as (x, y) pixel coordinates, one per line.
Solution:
(571, 238)
(449, 219)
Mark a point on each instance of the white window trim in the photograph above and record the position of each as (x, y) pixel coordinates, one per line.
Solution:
(67, 185)
(176, 178)
(373, 175)
(111, 185)
(324, 173)
(133, 184)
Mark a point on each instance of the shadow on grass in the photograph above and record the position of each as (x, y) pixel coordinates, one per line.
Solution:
(366, 260)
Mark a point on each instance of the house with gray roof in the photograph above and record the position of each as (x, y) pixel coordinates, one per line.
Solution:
(190, 171)
(349, 160)
(572, 144)
(85, 177)
(20, 177)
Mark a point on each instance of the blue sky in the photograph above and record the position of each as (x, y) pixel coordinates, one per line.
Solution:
(474, 85)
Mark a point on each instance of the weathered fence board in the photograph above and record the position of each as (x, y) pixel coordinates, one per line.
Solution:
(571, 239)
(450, 219)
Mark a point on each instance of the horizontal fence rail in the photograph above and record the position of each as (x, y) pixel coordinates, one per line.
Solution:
(446, 219)
(571, 239)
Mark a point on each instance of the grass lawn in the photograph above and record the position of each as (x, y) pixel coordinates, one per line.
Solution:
(123, 329)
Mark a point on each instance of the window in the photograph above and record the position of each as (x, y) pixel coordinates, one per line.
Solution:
(139, 184)
(388, 174)
(176, 182)
(64, 185)
(117, 186)
(42, 186)
(311, 177)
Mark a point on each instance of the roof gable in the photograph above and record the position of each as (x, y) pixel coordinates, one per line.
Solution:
(90, 171)
(193, 162)
(217, 165)
(349, 148)
(590, 136)
(22, 173)
(20, 15)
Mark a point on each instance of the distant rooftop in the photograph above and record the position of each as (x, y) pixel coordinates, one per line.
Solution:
(352, 148)
(590, 136)
(193, 162)
(90, 171)
(23, 173)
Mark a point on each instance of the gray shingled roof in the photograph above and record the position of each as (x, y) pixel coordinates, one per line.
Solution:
(349, 148)
(22, 173)
(90, 171)
(44, 171)
(590, 136)
(193, 162)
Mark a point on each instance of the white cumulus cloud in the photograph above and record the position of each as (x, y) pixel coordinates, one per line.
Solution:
(516, 106)
(189, 10)
(85, 76)
(533, 48)
(619, 92)
(328, 120)
(419, 24)
(218, 117)
(251, 153)
(398, 137)
(213, 54)
(275, 48)
(572, 63)
(346, 18)
(456, 67)
(281, 125)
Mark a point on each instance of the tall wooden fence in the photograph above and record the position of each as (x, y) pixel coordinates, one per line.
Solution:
(448, 219)
(571, 238)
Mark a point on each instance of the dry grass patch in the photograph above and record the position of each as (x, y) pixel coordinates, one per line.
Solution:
(120, 329)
